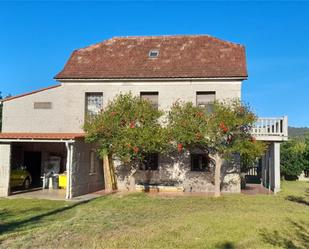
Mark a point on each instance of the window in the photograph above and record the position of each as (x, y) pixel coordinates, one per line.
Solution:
(150, 162)
(152, 97)
(200, 162)
(205, 100)
(94, 103)
(95, 162)
(42, 105)
(154, 53)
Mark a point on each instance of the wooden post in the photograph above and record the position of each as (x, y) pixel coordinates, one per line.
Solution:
(132, 183)
(107, 174)
(218, 164)
(112, 173)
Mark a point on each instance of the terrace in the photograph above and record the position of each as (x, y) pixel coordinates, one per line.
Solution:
(271, 129)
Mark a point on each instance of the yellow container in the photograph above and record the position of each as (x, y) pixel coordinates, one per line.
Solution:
(63, 181)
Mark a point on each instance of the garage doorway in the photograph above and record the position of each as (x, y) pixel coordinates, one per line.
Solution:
(32, 162)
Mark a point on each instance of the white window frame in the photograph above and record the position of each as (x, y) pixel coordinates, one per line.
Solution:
(88, 112)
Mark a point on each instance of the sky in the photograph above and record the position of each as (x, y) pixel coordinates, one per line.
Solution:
(37, 38)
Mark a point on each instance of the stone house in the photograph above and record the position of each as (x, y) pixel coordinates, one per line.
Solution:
(48, 122)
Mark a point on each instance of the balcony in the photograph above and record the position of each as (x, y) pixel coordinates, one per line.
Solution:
(271, 129)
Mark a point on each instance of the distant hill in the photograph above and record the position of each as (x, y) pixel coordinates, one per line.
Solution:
(295, 132)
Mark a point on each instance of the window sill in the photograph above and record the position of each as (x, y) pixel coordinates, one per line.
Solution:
(152, 170)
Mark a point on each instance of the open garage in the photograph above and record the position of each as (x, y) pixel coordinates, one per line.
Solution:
(61, 165)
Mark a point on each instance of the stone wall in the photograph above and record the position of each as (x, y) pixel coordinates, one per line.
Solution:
(84, 181)
(175, 170)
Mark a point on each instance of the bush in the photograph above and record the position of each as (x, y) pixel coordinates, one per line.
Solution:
(294, 159)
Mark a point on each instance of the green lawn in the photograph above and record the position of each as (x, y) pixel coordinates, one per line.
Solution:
(140, 221)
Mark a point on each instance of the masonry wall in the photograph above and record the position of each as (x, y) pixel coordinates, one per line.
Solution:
(5, 161)
(68, 102)
(175, 170)
(84, 181)
(67, 115)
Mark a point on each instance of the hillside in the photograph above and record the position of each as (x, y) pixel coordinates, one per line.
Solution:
(295, 132)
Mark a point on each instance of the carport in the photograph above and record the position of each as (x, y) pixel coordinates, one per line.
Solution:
(37, 154)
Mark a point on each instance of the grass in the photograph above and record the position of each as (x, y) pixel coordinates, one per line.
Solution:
(141, 221)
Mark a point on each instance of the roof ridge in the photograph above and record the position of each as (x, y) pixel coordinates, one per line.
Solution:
(174, 36)
(97, 44)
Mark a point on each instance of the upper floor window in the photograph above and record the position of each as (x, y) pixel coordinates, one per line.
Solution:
(153, 97)
(200, 162)
(94, 103)
(150, 162)
(205, 100)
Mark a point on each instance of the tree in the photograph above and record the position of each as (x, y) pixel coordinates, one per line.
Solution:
(221, 134)
(294, 158)
(306, 156)
(127, 129)
(1, 108)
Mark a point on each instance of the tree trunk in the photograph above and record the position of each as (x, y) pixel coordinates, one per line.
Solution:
(107, 174)
(218, 162)
(112, 172)
(132, 180)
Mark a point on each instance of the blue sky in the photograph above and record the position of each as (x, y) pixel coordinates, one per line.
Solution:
(36, 39)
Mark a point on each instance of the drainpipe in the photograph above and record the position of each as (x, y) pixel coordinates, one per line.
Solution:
(68, 168)
(269, 173)
(71, 166)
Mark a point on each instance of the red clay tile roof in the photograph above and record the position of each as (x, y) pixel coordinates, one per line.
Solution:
(199, 56)
(41, 136)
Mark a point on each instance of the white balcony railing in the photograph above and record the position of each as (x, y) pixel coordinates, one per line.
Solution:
(271, 128)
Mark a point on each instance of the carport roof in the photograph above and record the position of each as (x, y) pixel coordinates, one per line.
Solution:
(41, 136)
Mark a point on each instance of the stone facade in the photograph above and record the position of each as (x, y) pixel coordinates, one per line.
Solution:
(175, 170)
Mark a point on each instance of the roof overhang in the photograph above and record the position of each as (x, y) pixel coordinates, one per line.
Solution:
(30, 93)
(151, 79)
(40, 137)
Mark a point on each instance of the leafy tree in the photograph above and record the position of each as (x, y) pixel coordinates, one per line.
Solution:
(127, 129)
(1, 108)
(294, 158)
(221, 134)
(306, 155)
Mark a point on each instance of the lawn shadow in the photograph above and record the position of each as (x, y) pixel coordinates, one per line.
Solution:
(298, 199)
(225, 245)
(296, 237)
(12, 226)
(4, 214)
